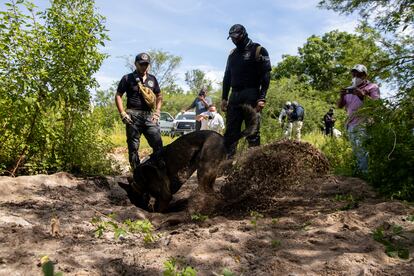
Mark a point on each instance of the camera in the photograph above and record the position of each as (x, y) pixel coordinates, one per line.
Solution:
(349, 89)
(210, 116)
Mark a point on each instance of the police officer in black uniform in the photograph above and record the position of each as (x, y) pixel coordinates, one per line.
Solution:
(138, 117)
(248, 75)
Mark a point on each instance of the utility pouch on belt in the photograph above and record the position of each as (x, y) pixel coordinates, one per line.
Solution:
(148, 95)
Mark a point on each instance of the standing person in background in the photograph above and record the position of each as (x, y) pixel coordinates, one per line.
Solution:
(352, 98)
(296, 115)
(283, 116)
(329, 121)
(211, 120)
(201, 104)
(248, 75)
(139, 118)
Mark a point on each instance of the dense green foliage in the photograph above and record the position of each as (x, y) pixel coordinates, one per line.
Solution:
(391, 147)
(47, 62)
(196, 79)
(388, 15)
(324, 61)
(390, 141)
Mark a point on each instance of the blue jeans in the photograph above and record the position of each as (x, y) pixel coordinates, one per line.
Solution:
(142, 124)
(357, 135)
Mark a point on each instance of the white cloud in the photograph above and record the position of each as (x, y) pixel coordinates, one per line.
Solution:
(294, 5)
(181, 7)
(104, 81)
(341, 23)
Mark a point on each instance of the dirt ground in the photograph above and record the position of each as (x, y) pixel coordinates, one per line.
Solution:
(322, 226)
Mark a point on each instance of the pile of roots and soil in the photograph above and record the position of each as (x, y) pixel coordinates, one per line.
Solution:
(263, 173)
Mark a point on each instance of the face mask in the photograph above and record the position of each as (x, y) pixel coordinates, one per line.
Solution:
(356, 82)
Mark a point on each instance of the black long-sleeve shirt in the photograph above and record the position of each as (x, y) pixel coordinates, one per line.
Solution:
(244, 70)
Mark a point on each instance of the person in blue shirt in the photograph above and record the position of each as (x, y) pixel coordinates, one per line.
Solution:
(201, 104)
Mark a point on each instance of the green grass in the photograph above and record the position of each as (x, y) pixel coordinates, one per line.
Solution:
(118, 138)
(316, 138)
(337, 150)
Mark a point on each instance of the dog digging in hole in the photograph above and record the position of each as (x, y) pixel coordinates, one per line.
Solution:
(163, 174)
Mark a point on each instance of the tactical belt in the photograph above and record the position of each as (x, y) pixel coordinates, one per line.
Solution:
(137, 111)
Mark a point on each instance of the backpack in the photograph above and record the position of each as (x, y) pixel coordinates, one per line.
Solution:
(298, 113)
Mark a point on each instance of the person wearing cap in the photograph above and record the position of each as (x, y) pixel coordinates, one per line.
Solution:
(329, 121)
(139, 118)
(283, 115)
(295, 114)
(247, 75)
(201, 104)
(352, 99)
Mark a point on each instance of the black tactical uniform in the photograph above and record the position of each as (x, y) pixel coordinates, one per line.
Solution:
(140, 112)
(248, 74)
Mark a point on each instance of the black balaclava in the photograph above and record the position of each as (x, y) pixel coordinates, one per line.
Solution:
(237, 31)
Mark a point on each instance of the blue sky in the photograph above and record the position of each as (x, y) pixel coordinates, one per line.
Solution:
(197, 30)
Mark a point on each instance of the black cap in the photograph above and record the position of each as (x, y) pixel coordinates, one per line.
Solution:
(236, 31)
(143, 58)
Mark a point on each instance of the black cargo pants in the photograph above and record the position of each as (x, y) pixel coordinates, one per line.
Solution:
(142, 124)
(235, 118)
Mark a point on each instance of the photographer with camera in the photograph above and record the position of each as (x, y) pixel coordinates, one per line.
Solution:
(329, 121)
(352, 98)
(201, 104)
(211, 120)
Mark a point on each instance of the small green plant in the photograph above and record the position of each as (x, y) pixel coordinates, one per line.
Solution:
(227, 272)
(197, 217)
(410, 218)
(171, 268)
(144, 227)
(351, 202)
(275, 221)
(305, 226)
(48, 267)
(276, 243)
(255, 216)
(392, 248)
(101, 226)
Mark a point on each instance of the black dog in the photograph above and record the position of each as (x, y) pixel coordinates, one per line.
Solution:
(162, 175)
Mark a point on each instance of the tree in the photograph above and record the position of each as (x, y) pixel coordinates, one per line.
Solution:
(388, 15)
(163, 66)
(196, 79)
(325, 61)
(390, 141)
(392, 16)
(48, 60)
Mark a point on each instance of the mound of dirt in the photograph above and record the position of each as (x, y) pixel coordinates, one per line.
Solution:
(264, 172)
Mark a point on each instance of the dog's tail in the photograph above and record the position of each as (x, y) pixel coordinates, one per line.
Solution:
(251, 119)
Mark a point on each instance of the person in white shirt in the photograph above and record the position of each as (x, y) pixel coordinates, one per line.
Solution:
(211, 120)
